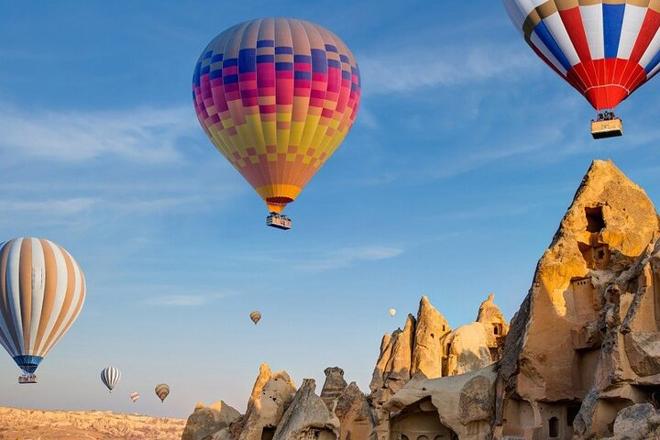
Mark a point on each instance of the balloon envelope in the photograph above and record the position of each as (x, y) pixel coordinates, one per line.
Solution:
(276, 96)
(255, 317)
(110, 377)
(392, 312)
(134, 396)
(42, 291)
(162, 391)
(604, 49)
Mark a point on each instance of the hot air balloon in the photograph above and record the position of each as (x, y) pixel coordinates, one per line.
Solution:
(392, 312)
(110, 377)
(255, 317)
(276, 96)
(162, 391)
(604, 49)
(42, 291)
(134, 396)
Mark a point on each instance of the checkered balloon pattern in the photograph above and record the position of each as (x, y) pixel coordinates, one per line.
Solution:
(276, 96)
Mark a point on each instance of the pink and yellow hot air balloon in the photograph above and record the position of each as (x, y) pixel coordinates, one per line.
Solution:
(606, 49)
(276, 96)
(42, 291)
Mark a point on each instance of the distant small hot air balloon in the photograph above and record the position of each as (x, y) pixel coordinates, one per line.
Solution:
(110, 377)
(276, 96)
(392, 312)
(162, 391)
(134, 396)
(42, 291)
(255, 317)
(604, 49)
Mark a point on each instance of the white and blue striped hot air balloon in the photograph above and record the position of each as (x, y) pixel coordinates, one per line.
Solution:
(110, 377)
(42, 291)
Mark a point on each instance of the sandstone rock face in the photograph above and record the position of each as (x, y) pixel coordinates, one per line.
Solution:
(637, 422)
(584, 342)
(393, 367)
(495, 325)
(461, 405)
(643, 351)
(307, 417)
(271, 395)
(428, 349)
(58, 425)
(467, 349)
(580, 361)
(207, 420)
(355, 416)
(334, 385)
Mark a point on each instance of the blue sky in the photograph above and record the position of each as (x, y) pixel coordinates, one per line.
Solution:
(466, 153)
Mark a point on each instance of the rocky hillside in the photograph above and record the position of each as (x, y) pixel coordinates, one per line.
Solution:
(25, 424)
(580, 361)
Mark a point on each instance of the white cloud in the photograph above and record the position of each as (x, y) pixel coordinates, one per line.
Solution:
(348, 256)
(143, 134)
(443, 66)
(182, 300)
(177, 300)
(66, 207)
(51, 207)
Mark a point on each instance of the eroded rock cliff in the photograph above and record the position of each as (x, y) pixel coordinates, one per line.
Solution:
(584, 344)
(581, 359)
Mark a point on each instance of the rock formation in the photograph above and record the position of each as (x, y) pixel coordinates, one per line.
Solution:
(637, 422)
(495, 325)
(27, 424)
(207, 420)
(334, 385)
(467, 349)
(444, 408)
(428, 348)
(394, 363)
(581, 359)
(356, 420)
(307, 417)
(584, 344)
(271, 395)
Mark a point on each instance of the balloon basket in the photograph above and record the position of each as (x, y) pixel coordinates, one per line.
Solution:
(279, 221)
(27, 378)
(606, 126)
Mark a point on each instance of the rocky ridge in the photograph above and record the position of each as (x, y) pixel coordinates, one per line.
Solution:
(581, 359)
(26, 424)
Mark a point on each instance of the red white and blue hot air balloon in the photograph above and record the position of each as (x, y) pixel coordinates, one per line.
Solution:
(605, 49)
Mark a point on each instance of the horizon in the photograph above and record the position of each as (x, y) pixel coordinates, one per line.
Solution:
(464, 157)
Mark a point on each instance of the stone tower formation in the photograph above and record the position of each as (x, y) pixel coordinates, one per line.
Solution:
(580, 360)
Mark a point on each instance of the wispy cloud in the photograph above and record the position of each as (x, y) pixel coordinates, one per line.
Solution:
(348, 256)
(143, 134)
(183, 300)
(442, 66)
(52, 207)
(68, 210)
